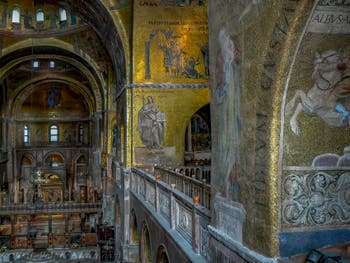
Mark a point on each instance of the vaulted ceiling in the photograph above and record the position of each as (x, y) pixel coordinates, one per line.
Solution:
(86, 49)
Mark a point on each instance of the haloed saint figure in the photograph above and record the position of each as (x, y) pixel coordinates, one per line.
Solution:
(224, 61)
(227, 99)
(151, 125)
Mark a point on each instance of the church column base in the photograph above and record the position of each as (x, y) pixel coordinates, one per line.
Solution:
(225, 239)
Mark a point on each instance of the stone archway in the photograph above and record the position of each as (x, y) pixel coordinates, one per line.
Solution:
(198, 137)
(162, 255)
(134, 237)
(145, 246)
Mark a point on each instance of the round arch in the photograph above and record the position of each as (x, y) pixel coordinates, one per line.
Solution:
(77, 156)
(91, 73)
(28, 156)
(50, 154)
(95, 13)
(27, 88)
(198, 137)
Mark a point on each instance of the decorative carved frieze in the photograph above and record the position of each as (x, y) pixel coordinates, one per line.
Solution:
(317, 199)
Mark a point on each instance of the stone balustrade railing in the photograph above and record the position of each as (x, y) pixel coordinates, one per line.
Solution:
(183, 214)
(190, 186)
(201, 173)
(44, 144)
(50, 208)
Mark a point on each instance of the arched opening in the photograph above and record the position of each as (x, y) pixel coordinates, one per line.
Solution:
(40, 16)
(145, 246)
(134, 236)
(54, 160)
(198, 138)
(16, 16)
(62, 15)
(54, 133)
(162, 255)
(27, 166)
(26, 134)
(134, 241)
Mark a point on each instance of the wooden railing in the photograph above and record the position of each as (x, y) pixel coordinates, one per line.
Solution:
(190, 186)
(183, 214)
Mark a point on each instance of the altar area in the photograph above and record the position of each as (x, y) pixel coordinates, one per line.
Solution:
(52, 216)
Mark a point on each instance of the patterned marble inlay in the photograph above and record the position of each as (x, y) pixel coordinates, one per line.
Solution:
(184, 222)
(318, 199)
(133, 182)
(164, 204)
(150, 193)
(204, 241)
(142, 187)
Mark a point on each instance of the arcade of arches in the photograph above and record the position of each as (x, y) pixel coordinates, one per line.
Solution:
(174, 130)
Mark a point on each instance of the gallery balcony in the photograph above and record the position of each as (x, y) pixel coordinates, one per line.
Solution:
(50, 208)
(45, 144)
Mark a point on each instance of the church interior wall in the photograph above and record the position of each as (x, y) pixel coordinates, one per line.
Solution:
(178, 106)
(139, 71)
(277, 43)
(170, 43)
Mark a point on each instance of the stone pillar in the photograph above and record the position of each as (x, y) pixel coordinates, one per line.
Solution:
(97, 129)
(82, 222)
(172, 208)
(195, 229)
(12, 238)
(50, 234)
(229, 217)
(189, 138)
(29, 237)
(16, 190)
(50, 223)
(125, 205)
(226, 233)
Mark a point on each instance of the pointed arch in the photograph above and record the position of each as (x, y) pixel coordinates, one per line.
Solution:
(145, 245)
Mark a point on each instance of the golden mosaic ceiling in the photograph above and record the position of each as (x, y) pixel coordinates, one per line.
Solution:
(75, 47)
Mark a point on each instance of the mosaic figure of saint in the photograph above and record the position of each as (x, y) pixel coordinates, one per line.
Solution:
(151, 125)
(172, 51)
(54, 98)
(224, 61)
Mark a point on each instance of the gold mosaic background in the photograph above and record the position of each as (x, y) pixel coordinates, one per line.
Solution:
(178, 105)
(181, 32)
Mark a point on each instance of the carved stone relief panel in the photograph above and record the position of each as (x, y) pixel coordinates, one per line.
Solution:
(150, 193)
(316, 199)
(164, 203)
(183, 222)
